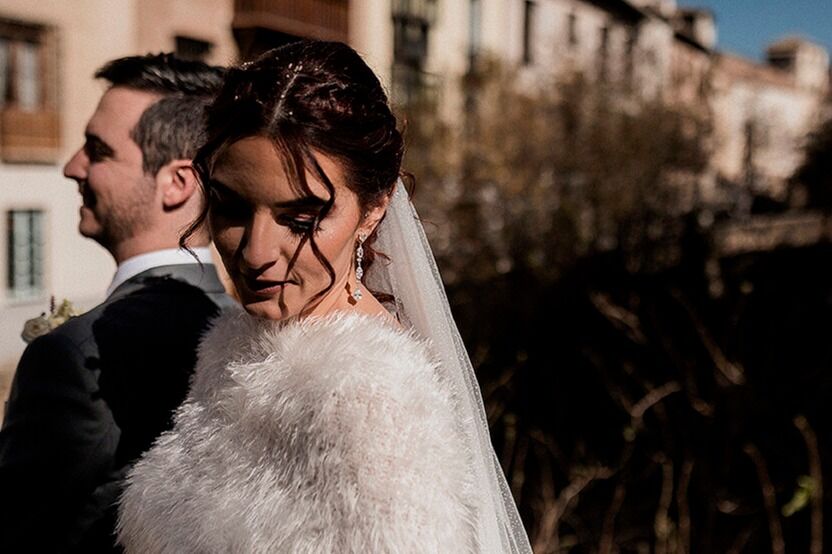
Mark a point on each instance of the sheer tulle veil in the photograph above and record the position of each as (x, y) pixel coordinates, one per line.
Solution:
(410, 275)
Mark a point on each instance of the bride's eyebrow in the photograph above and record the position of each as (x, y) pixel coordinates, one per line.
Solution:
(309, 203)
(223, 189)
(303, 203)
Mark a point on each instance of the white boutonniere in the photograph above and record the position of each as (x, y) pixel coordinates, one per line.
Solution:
(37, 326)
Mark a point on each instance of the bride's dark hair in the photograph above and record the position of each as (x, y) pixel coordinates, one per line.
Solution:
(309, 96)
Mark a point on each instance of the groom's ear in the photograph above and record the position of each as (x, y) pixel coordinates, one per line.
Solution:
(373, 216)
(177, 182)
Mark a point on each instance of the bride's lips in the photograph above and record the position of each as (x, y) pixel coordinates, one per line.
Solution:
(264, 287)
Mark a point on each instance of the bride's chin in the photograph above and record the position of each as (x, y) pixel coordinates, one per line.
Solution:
(266, 309)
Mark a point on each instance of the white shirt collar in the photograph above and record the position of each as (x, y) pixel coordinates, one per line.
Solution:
(131, 267)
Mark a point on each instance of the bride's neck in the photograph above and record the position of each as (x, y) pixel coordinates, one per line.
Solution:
(340, 299)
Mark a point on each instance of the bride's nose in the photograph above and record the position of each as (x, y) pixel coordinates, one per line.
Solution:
(261, 246)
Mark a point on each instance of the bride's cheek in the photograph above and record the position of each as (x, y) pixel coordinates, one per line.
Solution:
(226, 240)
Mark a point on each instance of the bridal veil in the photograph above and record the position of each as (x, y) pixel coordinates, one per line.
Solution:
(411, 277)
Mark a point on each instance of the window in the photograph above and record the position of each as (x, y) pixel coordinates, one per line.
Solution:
(572, 30)
(528, 31)
(629, 59)
(410, 52)
(192, 48)
(474, 29)
(25, 245)
(411, 27)
(410, 42)
(19, 74)
(29, 127)
(603, 53)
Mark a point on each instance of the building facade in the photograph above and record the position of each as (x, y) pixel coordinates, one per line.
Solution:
(647, 49)
(764, 111)
(49, 51)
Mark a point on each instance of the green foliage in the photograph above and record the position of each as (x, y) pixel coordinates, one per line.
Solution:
(802, 494)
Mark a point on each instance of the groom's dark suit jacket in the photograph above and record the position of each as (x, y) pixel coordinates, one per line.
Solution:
(89, 398)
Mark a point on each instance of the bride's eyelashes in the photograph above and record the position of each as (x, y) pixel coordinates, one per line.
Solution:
(301, 225)
(226, 205)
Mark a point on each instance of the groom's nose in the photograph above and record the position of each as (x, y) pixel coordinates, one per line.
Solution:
(76, 167)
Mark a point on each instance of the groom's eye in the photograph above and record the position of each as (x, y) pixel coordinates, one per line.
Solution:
(96, 149)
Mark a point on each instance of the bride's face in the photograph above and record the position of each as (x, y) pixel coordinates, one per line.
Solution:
(260, 226)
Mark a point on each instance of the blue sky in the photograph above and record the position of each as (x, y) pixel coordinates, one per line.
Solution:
(747, 26)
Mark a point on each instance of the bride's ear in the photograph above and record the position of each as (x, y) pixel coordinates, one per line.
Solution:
(373, 216)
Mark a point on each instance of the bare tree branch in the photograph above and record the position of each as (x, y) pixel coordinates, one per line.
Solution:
(816, 474)
(608, 530)
(619, 316)
(662, 524)
(734, 373)
(652, 398)
(769, 499)
(738, 546)
(518, 476)
(682, 504)
(547, 538)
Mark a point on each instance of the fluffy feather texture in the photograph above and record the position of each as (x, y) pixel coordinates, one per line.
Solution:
(333, 434)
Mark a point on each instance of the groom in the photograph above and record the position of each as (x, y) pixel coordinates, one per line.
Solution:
(92, 395)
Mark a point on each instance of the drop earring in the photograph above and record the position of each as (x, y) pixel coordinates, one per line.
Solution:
(359, 270)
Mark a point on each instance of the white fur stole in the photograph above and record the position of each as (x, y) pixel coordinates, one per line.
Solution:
(331, 434)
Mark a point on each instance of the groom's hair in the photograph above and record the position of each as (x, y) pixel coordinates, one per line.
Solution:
(163, 74)
(173, 127)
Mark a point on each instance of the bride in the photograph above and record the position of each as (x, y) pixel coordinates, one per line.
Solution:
(318, 420)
